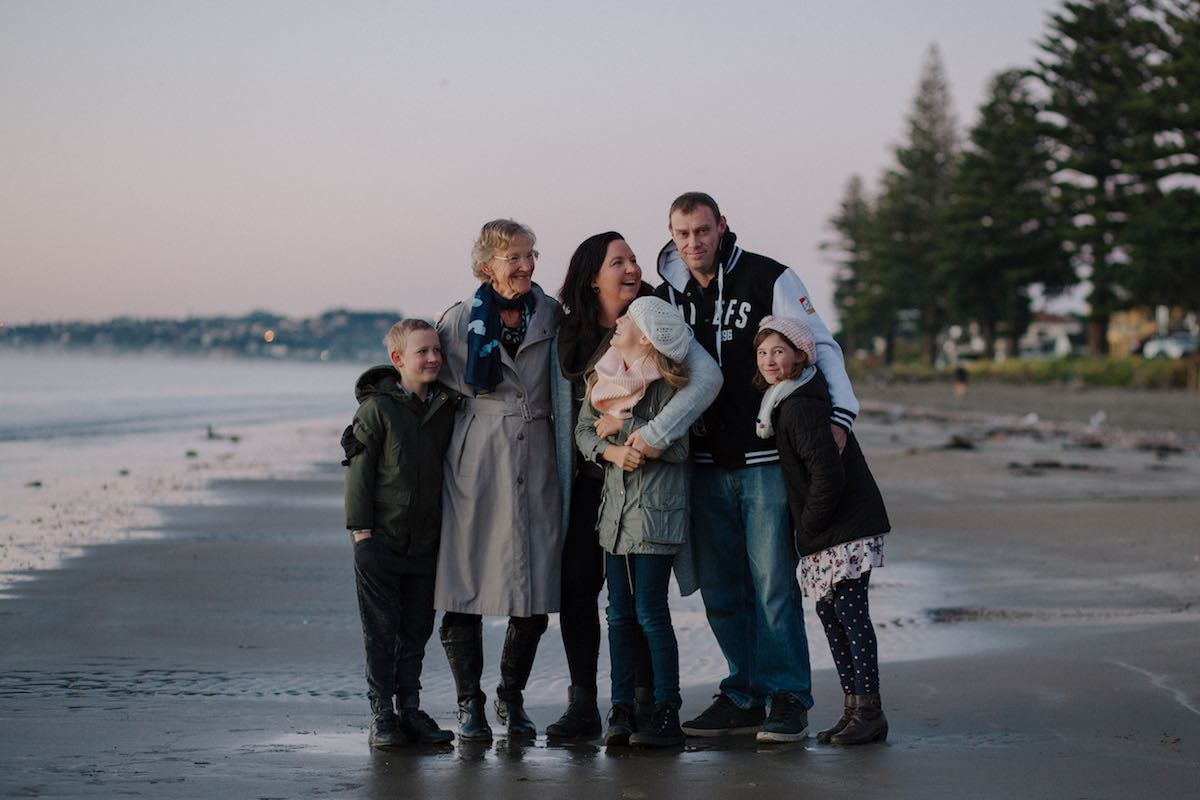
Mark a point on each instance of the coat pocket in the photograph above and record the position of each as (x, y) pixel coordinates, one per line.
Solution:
(665, 519)
(466, 450)
(393, 509)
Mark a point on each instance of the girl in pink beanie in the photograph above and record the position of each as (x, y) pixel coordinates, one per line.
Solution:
(837, 512)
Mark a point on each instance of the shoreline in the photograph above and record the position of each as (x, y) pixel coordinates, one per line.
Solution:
(1048, 625)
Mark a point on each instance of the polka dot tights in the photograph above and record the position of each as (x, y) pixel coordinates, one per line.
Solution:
(847, 620)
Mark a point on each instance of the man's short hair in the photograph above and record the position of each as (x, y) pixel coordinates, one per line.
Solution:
(688, 202)
(398, 335)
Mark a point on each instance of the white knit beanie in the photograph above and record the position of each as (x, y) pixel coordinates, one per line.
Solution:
(796, 331)
(663, 325)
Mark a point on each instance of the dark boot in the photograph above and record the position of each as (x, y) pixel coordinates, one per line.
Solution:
(664, 730)
(621, 725)
(419, 727)
(385, 725)
(516, 662)
(643, 705)
(867, 723)
(581, 720)
(464, 652)
(847, 712)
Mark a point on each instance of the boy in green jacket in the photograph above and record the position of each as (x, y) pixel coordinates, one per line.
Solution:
(394, 451)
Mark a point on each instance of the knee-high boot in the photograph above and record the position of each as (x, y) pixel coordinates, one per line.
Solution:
(516, 662)
(464, 652)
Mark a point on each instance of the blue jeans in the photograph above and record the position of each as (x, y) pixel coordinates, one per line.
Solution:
(637, 599)
(746, 564)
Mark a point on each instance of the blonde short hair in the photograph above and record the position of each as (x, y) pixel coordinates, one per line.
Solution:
(494, 236)
(398, 335)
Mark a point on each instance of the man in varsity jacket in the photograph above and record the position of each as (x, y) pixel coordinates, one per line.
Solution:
(745, 557)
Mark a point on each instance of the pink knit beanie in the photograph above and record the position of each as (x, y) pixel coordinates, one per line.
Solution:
(796, 331)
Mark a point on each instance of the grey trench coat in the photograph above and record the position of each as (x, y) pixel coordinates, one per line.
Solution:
(502, 534)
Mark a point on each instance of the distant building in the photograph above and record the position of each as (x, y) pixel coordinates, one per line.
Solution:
(1129, 330)
(1052, 336)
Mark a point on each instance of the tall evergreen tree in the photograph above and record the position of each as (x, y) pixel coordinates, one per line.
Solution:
(910, 205)
(856, 293)
(1164, 226)
(1097, 67)
(1002, 231)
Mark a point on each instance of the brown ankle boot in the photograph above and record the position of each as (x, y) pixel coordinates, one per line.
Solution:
(847, 712)
(867, 723)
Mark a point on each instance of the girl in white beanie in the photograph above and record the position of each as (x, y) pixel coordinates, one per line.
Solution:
(643, 519)
(837, 512)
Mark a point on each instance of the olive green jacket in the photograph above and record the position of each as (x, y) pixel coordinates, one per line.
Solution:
(394, 484)
(644, 511)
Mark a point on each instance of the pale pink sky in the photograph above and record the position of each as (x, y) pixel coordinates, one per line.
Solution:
(165, 159)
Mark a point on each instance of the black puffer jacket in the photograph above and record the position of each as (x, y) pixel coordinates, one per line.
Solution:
(833, 498)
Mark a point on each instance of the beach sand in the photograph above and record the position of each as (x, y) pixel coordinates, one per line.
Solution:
(1038, 618)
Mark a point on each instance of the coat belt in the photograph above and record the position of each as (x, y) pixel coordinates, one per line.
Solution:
(502, 408)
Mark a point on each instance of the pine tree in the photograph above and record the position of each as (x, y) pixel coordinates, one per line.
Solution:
(910, 205)
(1164, 227)
(1002, 232)
(855, 292)
(1097, 69)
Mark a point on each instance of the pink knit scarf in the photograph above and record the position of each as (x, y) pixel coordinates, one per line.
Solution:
(619, 388)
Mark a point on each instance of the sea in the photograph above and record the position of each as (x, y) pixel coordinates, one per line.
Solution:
(90, 443)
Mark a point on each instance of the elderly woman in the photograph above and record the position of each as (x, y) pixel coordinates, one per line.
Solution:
(501, 544)
(603, 278)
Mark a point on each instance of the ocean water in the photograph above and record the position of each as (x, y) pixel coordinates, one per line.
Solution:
(89, 443)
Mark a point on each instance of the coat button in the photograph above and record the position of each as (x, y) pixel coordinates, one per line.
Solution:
(520, 481)
(520, 395)
(520, 436)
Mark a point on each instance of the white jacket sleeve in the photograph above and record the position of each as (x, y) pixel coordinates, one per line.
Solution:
(791, 299)
(703, 386)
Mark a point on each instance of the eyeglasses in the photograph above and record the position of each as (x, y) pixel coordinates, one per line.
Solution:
(514, 260)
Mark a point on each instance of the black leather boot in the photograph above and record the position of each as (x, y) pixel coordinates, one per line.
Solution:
(663, 730)
(867, 723)
(847, 712)
(516, 662)
(385, 725)
(464, 652)
(581, 720)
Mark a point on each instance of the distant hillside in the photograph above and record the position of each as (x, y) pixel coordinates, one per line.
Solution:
(335, 335)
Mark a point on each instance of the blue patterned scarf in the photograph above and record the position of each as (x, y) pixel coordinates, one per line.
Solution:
(485, 331)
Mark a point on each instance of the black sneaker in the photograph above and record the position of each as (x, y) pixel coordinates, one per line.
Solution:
(621, 725)
(664, 730)
(386, 731)
(420, 727)
(788, 721)
(725, 718)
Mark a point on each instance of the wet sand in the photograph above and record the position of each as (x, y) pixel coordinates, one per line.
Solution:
(1039, 629)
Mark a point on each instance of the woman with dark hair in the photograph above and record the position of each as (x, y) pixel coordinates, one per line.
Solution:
(603, 278)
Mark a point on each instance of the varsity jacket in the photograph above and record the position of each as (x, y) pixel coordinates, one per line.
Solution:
(725, 317)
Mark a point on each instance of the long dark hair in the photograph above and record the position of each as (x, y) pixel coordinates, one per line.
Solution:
(580, 302)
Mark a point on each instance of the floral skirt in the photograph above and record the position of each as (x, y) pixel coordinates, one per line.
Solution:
(820, 571)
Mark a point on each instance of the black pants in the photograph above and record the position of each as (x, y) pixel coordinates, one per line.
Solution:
(582, 577)
(533, 626)
(847, 620)
(395, 604)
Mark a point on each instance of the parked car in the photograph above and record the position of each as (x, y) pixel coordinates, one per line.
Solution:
(1176, 345)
